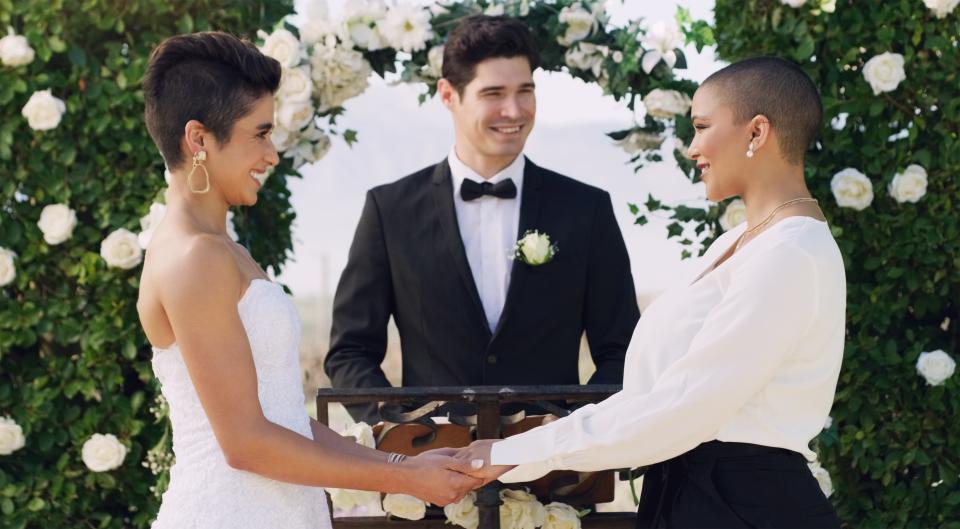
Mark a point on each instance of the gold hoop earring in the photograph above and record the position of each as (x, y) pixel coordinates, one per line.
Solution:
(198, 159)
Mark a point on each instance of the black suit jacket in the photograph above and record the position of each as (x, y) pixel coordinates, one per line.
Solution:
(407, 260)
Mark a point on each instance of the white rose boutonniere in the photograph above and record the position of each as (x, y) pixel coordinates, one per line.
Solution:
(534, 249)
(11, 436)
(103, 452)
(936, 367)
(464, 513)
(56, 223)
(405, 506)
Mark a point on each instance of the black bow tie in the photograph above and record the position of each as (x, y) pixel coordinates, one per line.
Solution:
(470, 190)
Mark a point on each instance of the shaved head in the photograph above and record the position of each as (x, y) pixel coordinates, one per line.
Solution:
(777, 89)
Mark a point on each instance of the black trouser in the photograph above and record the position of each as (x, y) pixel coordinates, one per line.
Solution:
(734, 485)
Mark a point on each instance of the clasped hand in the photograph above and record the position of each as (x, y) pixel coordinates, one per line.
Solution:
(446, 475)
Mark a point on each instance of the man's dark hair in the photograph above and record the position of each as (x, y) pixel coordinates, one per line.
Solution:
(212, 77)
(478, 38)
(778, 89)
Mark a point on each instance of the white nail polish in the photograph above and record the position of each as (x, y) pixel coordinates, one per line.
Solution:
(477, 463)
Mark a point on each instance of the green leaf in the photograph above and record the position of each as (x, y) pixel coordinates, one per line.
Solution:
(36, 504)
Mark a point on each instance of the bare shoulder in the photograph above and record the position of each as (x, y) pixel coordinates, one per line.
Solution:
(201, 267)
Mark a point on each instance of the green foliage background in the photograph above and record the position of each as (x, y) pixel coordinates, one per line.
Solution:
(73, 360)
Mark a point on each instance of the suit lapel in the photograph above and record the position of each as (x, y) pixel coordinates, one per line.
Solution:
(530, 200)
(451, 240)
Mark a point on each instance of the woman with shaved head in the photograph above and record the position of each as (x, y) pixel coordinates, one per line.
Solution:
(732, 373)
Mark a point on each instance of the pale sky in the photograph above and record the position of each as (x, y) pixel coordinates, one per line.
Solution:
(397, 136)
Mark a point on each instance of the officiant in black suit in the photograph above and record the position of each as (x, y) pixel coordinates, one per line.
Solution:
(431, 249)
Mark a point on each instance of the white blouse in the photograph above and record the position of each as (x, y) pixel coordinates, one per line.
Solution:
(748, 353)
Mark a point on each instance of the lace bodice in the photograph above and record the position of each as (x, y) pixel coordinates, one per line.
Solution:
(204, 491)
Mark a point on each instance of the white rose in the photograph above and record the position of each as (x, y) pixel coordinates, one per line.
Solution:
(823, 478)
(587, 57)
(640, 140)
(349, 499)
(294, 115)
(15, 50)
(338, 74)
(494, 10)
(535, 248)
(734, 215)
(57, 222)
(103, 452)
(363, 433)
(295, 85)
(435, 61)
(11, 436)
(405, 506)
(840, 121)
(406, 27)
(660, 42)
(282, 46)
(121, 249)
(520, 510)
(314, 145)
(149, 223)
(910, 185)
(884, 72)
(8, 270)
(852, 189)
(360, 24)
(464, 513)
(828, 6)
(666, 104)
(793, 3)
(617, 57)
(941, 8)
(43, 111)
(561, 516)
(936, 366)
(282, 138)
(580, 24)
(316, 30)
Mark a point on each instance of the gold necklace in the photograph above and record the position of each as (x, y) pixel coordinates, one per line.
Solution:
(770, 217)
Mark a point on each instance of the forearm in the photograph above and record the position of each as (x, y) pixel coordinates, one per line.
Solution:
(325, 436)
(330, 461)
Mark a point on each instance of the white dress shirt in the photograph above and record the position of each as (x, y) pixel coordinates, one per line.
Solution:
(488, 228)
(749, 353)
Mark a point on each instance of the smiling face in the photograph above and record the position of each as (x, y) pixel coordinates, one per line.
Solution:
(719, 145)
(235, 165)
(496, 111)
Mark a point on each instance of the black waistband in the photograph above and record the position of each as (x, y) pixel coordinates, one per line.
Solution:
(718, 450)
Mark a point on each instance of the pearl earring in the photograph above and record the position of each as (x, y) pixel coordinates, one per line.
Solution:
(750, 150)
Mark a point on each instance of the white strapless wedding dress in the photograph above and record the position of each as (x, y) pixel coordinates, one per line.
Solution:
(204, 491)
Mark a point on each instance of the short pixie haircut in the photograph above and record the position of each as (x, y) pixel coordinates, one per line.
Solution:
(779, 90)
(478, 38)
(212, 77)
